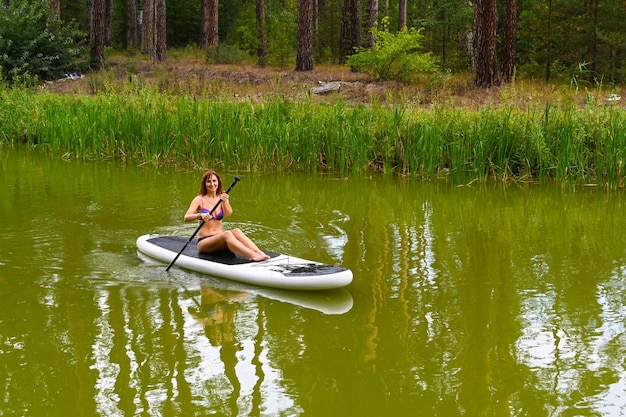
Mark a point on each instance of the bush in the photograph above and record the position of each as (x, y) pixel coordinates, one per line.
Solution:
(394, 56)
(34, 44)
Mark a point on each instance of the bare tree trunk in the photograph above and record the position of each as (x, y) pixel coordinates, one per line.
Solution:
(304, 54)
(213, 38)
(131, 24)
(372, 23)
(160, 43)
(356, 21)
(401, 14)
(97, 33)
(203, 41)
(509, 40)
(261, 34)
(485, 26)
(350, 28)
(147, 28)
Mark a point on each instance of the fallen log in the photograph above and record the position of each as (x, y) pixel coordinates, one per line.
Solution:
(324, 88)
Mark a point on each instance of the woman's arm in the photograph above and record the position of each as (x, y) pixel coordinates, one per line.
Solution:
(193, 213)
(228, 210)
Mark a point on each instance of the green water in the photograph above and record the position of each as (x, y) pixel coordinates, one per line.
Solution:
(466, 301)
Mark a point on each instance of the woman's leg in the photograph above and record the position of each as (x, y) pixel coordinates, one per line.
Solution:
(228, 240)
(248, 243)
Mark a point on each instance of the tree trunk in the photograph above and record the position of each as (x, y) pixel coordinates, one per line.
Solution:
(304, 55)
(97, 33)
(261, 34)
(509, 40)
(213, 38)
(160, 42)
(350, 28)
(147, 28)
(372, 23)
(485, 25)
(401, 14)
(356, 22)
(203, 40)
(131, 24)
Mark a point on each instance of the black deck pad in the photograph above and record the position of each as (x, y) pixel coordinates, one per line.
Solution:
(226, 257)
(175, 244)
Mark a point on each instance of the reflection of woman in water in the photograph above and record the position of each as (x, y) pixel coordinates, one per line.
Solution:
(217, 314)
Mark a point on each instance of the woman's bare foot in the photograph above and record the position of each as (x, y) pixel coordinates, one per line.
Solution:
(258, 257)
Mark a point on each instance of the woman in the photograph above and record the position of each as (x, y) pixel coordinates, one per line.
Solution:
(211, 237)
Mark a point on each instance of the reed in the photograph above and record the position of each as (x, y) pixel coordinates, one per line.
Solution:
(566, 143)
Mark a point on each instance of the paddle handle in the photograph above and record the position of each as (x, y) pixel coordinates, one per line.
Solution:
(236, 180)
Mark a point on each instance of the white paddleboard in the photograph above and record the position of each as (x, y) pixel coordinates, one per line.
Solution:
(280, 271)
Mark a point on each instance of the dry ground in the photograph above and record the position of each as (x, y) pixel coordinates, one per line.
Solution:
(193, 76)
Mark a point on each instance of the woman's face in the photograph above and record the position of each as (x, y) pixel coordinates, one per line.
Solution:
(212, 182)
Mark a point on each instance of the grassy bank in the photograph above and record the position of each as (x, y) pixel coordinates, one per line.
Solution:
(565, 143)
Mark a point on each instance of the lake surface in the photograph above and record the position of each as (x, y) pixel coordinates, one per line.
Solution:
(484, 300)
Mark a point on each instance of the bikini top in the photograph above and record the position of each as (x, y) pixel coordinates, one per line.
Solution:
(218, 216)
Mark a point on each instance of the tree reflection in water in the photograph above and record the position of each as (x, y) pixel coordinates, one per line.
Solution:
(216, 313)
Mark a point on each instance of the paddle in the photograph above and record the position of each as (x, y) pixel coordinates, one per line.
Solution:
(237, 179)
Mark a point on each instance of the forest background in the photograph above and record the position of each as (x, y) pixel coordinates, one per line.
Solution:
(149, 62)
(556, 40)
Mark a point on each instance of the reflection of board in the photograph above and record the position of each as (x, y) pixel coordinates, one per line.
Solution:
(280, 271)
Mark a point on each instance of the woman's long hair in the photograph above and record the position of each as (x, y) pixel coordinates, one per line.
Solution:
(205, 176)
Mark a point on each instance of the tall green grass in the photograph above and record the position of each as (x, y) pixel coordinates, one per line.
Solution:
(547, 142)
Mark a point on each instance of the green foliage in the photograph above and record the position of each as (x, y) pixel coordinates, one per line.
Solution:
(246, 38)
(281, 27)
(183, 23)
(395, 56)
(446, 24)
(32, 44)
(231, 54)
(554, 41)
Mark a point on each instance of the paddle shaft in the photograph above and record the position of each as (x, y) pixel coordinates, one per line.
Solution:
(237, 179)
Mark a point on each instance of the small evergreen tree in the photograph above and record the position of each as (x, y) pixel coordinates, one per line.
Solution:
(32, 43)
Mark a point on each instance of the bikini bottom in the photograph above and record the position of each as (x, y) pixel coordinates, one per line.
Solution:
(205, 237)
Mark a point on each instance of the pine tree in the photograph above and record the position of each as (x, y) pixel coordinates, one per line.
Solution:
(304, 54)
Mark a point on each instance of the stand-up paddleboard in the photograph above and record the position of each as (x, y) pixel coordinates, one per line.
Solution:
(280, 271)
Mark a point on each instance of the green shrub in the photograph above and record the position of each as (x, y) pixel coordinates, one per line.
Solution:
(34, 44)
(394, 56)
